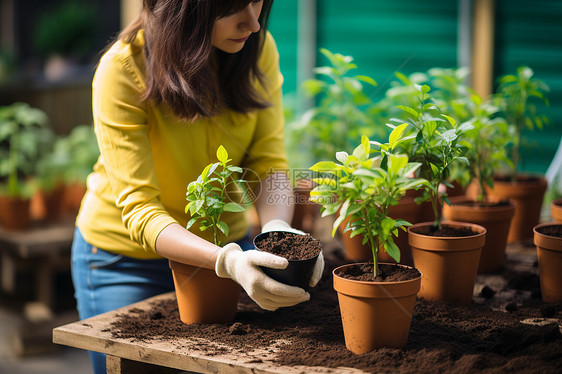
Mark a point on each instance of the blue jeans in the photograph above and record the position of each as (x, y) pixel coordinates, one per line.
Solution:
(104, 281)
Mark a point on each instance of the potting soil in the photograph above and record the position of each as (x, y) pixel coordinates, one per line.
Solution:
(487, 336)
(291, 246)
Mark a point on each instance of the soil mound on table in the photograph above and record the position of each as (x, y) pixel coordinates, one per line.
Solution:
(443, 337)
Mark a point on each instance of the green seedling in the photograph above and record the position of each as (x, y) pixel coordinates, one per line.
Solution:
(361, 191)
(207, 199)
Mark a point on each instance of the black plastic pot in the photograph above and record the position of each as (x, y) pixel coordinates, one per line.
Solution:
(297, 273)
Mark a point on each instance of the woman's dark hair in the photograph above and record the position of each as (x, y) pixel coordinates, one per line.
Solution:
(184, 70)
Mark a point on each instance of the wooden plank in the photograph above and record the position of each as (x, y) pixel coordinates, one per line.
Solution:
(118, 365)
(38, 241)
(93, 334)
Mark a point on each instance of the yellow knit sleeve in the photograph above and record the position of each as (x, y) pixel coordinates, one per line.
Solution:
(120, 121)
(267, 150)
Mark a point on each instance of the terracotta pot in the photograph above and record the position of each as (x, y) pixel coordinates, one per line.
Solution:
(527, 194)
(495, 219)
(456, 190)
(73, 194)
(549, 254)
(449, 264)
(556, 210)
(14, 213)
(306, 212)
(202, 296)
(49, 205)
(375, 314)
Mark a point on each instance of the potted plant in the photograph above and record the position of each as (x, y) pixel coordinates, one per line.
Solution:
(556, 209)
(23, 139)
(447, 253)
(203, 296)
(487, 151)
(548, 240)
(376, 308)
(516, 97)
(341, 114)
(76, 154)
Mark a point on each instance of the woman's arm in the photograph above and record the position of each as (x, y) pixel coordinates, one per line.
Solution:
(276, 198)
(178, 244)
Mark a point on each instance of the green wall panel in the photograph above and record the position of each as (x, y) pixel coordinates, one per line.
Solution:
(283, 26)
(386, 36)
(530, 33)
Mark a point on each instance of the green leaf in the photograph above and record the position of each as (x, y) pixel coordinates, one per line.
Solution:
(450, 119)
(366, 145)
(233, 207)
(324, 166)
(396, 134)
(191, 222)
(222, 154)
(366, 79)
(396, 163)
(414, 113)
(392, 249)
(223, 227)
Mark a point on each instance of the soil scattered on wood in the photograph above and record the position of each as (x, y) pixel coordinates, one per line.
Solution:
(289, 245)
(443, 337)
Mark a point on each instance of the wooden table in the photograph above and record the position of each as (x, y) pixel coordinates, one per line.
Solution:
(46, 248)
(162, 356)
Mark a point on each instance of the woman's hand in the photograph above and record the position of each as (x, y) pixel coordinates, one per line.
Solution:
(244, 268)
(280, 225)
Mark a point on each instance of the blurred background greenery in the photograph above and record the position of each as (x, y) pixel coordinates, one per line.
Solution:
(491, 37)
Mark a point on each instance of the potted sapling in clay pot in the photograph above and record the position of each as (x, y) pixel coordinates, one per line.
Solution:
(376, 300)
(487, 142)
(517, 96)
(24, 140)
(447, 253)
(202, 296)
(548, 240)
(556, 210)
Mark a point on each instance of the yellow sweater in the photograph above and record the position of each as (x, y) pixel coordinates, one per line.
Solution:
(149, 156)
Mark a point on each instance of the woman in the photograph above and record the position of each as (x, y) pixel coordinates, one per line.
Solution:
(184, 78)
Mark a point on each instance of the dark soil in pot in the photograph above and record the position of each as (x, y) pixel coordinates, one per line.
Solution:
(387, 273)
(443, 337)
(301, 251)
(446, 231)
(554, 230)
(481, 204)
(288, 245)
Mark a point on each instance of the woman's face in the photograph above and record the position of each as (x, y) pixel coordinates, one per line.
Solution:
(231, 32)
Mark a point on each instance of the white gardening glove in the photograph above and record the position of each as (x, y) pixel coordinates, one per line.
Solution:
(280, 225)
(244, 268)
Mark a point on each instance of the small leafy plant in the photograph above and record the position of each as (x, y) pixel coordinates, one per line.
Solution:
(24, 138)
(516, 96)
(342, 112)
(362, 190)
(207, 199)
(433, 141)
(489, 139)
